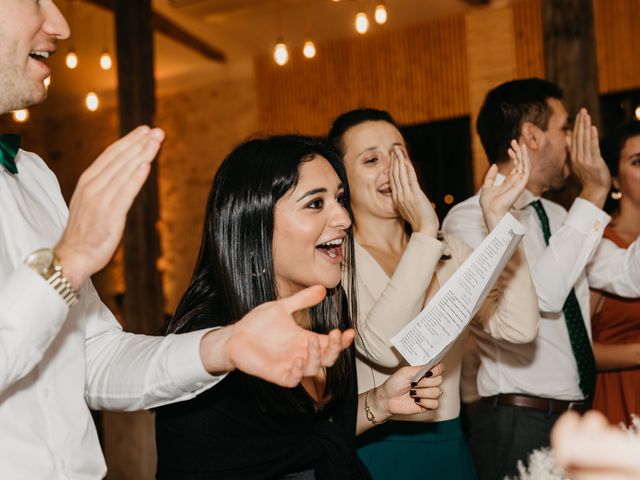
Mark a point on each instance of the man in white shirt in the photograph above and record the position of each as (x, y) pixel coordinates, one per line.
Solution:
(61, 350)
(525, 387)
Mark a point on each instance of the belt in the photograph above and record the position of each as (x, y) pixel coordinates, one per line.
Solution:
(547, 405)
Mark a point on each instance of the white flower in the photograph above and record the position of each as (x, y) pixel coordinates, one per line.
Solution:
(542, 464)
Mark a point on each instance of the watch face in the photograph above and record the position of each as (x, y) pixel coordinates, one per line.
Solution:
(41, 261)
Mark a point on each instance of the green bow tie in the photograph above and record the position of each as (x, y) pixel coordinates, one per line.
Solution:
(9, 145)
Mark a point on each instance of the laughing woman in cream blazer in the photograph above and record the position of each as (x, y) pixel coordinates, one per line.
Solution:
(401, 261)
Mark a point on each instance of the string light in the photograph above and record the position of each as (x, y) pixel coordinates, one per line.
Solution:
(71, 60)
(448, 199)
(92, 101)
(381, 14)
(280, 53)
(309, 49)
(20, 116)
(362, 23)
(105, 61)
(638, 112)
(47, 82)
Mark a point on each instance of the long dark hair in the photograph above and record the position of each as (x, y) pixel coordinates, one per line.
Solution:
(234, 272)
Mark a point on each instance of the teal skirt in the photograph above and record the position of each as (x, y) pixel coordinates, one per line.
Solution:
(417, 450)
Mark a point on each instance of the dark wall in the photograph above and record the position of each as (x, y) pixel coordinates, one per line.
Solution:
(441, 152)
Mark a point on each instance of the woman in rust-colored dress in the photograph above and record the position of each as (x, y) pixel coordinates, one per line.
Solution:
(616, 320)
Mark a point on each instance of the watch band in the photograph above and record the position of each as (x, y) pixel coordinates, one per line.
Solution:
(62, 286)
(45, 263)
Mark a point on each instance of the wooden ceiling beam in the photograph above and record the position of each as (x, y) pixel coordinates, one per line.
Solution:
(162, 24)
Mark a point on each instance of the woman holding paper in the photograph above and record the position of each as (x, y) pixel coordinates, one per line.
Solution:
(268, 235)
(402, 260)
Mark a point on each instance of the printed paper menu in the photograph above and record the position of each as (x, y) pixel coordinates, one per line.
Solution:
(426, 339)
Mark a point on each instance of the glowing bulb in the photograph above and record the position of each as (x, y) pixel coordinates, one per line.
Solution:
(281, 54)
(362, 22)
(47, 82)
(71, 60)
(381, 14)
(309, 49)
(638, 112)
(20, 116)
(92, 101)
(105, 61)
(448, 199)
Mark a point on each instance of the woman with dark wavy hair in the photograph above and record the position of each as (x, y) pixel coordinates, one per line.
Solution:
(278, 220)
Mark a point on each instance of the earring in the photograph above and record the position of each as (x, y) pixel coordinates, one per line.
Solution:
(616, 194)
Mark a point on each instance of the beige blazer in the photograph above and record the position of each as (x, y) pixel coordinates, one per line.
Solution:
(385, 305)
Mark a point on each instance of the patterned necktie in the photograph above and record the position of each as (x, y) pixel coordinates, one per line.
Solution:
(578, 336)
(9, 145)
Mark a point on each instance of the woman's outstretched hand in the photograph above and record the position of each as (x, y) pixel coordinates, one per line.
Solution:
(496, 200)
(268, 343)
(411, 202)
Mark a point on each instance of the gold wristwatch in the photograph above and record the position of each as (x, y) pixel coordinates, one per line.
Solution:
(45, 264)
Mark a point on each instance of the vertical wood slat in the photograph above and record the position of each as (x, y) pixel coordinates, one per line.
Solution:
(527, 17)
(415, 73)
(491, 58)
(618, 44)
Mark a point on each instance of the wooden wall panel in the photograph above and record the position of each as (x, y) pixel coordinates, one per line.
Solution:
(418, 73)
(527, 21)
(618, 44)
(491, 57)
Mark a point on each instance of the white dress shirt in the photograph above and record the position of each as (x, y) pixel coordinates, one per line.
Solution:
(56, 362)
(577, 257)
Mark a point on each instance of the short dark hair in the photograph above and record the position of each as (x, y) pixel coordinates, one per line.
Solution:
(507, 107)
(234, 271)
(612, 145)
(352, 118)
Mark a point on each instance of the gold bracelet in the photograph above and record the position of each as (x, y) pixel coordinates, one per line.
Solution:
(367, 410)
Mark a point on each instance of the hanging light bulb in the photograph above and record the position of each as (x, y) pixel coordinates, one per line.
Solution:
(20, 116)
(309, 49)
(280, 53)
(105, 61)
(381, 14)
(47, 82)
(71, 60)
(362, 23)
(92, 101)
(638, 112)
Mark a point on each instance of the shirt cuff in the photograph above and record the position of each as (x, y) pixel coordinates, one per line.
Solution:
(29, 302)
(185, 365)
(586, 218)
